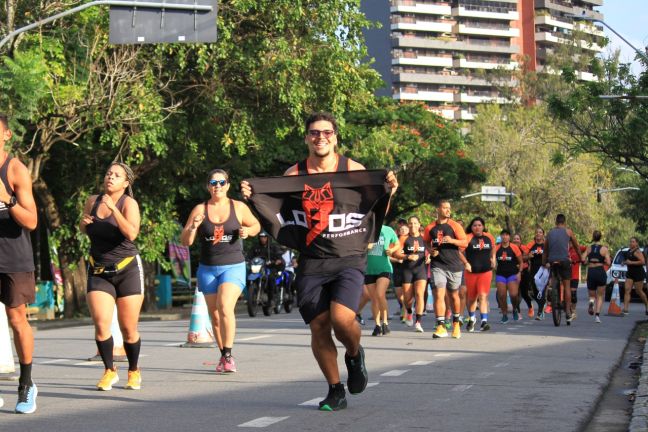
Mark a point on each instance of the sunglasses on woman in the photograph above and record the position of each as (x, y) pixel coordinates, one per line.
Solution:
(214, 182)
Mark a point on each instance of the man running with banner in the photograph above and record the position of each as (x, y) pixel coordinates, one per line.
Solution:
(329, 208)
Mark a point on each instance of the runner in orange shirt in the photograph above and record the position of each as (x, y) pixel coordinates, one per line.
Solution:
(525, 279)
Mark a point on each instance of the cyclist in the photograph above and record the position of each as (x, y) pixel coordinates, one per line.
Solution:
(556, 257)
(507, 274)
(596, 256)
(636, 274)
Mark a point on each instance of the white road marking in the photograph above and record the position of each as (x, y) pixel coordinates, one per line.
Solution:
(312, 402)
(372, 384)
(88, 363)
(263, 422)
(395, 372)
(175, 344)
(255, 338)
(461, 387)
(485, 374)
(442, 355)
(503, 364)
(55, 361)
(421, 363)
(513, 328)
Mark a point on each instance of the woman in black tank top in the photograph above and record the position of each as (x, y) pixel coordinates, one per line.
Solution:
(221, 223)
(596, 256)
(115, 276)
(636, 274)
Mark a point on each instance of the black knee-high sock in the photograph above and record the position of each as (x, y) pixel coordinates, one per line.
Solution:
(106, 351)
(132, 352)
(25, 374)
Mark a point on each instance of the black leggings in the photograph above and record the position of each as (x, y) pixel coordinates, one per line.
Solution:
(534, 289)
(525, 284)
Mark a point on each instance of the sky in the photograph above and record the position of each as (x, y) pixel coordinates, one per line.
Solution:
(630, 19)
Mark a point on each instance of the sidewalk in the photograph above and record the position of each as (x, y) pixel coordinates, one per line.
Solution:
(639, 418)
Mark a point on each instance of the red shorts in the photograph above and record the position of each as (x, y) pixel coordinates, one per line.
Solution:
(478, 283)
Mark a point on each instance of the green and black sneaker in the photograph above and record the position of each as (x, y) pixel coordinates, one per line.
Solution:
(335, 399)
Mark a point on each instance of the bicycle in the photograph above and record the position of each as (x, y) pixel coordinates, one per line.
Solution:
(557, 300)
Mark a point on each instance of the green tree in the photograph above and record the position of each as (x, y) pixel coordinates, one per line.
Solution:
(520, 148)
(426, 152)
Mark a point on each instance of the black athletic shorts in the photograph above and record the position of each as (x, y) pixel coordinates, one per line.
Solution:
(371, 279)
(17, 289)
(561, 270)
(315, 292)
(596, 277)
(126, 282)
(636, 273)
(415, 274)
(573, 283)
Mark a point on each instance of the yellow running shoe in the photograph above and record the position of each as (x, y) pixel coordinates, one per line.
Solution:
(109, 378)
(456, 330)
(440, 332)
(134, 380)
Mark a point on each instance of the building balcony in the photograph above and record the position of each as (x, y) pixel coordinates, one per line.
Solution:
(487, 31)
(464, 114)
(447, 79)
(476, 64)
(557, 5)
(553, 21)
(594, 2)
(431, 96)
(590, 29)
(423, 61)
(431, 26)
(463, 12)
(414, 42)
(422, 8)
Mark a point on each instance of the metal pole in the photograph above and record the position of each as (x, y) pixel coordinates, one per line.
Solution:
(122, 3)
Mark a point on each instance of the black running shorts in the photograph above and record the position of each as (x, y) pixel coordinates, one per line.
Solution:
(596, 277)
(126, 282)
(17, 289)
(315, 292)
(415, 274)
(371, 279)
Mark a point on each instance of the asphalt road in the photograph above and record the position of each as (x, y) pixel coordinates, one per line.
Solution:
(527, 376)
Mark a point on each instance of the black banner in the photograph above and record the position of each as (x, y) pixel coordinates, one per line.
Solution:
(323, 215)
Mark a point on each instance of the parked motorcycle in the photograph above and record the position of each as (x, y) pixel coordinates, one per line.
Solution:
(256, 284)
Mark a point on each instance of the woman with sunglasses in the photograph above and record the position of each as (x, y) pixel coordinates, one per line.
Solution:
(115, 274)
(221, 223)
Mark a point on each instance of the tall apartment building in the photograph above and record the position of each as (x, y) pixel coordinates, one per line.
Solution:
(441, 51)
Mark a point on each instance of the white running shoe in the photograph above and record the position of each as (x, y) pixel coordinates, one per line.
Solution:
(409, 321)
(418, 328)
(597, 320)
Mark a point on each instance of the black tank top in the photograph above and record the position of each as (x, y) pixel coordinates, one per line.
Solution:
(595, 254)
(16, 254)
(107, 243)
(311, 265)
(220, 243)
(342, 165)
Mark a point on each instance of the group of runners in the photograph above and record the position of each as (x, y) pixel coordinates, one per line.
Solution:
(458, 263)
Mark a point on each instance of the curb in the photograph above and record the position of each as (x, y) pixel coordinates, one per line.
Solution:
(639, 417)
(161, 315)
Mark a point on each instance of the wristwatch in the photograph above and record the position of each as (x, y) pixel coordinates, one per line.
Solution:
(12, 202)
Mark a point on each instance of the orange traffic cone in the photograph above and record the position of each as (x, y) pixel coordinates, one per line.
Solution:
(200, 334)
(119, 354)
(613, 308)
